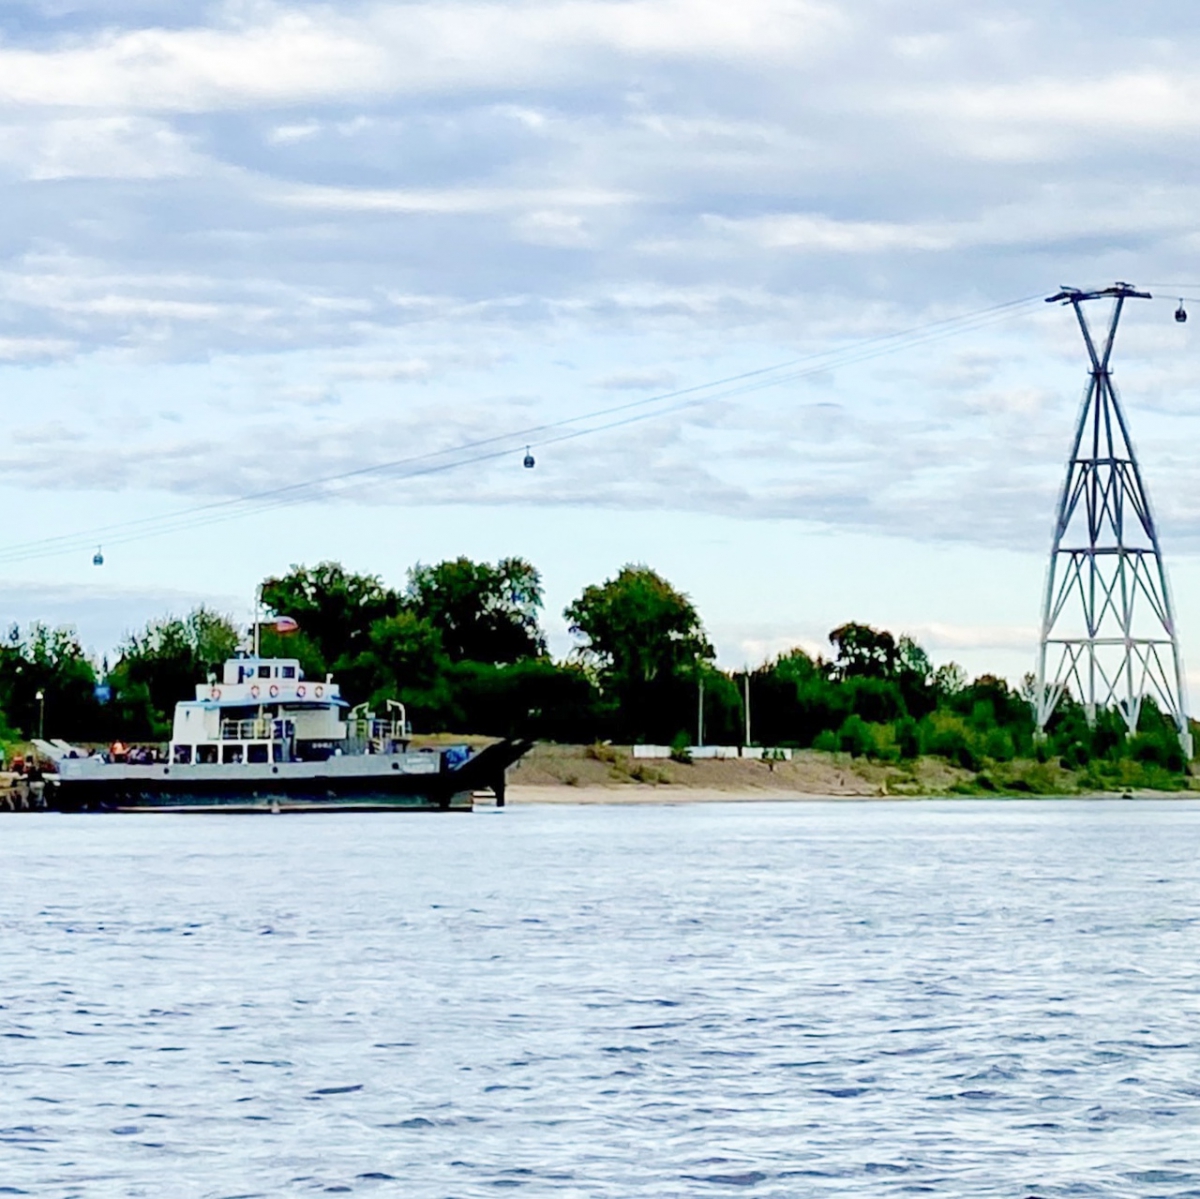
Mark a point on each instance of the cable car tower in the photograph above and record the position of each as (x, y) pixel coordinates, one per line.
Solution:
(1108, 627)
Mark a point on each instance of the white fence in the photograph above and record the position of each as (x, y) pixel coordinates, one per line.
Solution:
(714, 751)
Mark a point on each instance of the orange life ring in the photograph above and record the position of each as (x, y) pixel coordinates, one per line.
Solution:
(319, 691)
(215, 693)
(300, 691)
(254, 691)
(274, 691)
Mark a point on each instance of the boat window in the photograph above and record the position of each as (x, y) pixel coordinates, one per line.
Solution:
(277, 752)
(231, 754)
(183, 755)
(264, 672)
(288, 672)
(256, 753)
(206, 755)
(241, 674)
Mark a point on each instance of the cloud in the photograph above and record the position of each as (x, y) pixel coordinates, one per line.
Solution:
(460, 201)
(288, 55)
(825, 234)
(329, 236)
(32, 349)
(103, 617)
(651, 379)
(110, 147)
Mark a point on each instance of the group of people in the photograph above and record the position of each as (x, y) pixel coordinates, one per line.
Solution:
(135, 755)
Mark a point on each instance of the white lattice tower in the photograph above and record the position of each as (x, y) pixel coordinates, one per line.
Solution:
(1108, 627)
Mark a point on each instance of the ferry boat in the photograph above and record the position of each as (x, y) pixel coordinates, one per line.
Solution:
(264, 738)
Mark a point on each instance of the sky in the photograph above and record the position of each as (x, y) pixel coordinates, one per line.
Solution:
(252, 246)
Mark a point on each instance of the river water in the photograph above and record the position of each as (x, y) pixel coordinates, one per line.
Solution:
(872, 999)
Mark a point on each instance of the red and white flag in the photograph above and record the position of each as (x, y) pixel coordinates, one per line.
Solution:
(285, 624)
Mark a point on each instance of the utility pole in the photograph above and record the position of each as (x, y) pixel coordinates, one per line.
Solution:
(700, 713)
(1108, 626)
(746, 703)
(41, 698)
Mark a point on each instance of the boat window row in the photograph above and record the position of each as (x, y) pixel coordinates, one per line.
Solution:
(228, 754)
(246, 673)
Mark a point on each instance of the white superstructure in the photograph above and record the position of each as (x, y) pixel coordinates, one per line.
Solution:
(265, 710)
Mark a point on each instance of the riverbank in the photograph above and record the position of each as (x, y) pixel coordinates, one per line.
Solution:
(609, 774)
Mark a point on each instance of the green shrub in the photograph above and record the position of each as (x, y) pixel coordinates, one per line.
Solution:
(1076, 755)
(1159, 747)
(826, 741)
(947, 736)
(908, 738)
(855, 737)
(680, 748)
(998, 745)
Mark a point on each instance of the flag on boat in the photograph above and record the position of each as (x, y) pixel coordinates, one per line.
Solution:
(286, 624)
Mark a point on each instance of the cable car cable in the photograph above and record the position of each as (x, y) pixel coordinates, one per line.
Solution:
(308, 490)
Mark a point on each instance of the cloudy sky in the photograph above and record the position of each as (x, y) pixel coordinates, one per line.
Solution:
(247, 246)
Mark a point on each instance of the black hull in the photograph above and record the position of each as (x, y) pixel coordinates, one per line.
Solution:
(449, 790)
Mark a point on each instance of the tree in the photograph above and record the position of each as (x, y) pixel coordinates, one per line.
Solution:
(949, 680)
(915, 675)
(405, 660)
(162, 664)
(863, 652)
(646, 644)
(334, 607)
(53, 662)
(484, 613)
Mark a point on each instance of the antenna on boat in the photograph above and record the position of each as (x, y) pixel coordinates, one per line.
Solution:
(257, 615)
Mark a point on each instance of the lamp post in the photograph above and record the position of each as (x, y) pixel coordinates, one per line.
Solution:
(41, 698)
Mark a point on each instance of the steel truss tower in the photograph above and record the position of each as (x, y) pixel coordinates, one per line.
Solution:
(1108, 628)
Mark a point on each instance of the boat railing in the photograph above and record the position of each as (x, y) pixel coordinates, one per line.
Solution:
(386, 730)
(372, 735)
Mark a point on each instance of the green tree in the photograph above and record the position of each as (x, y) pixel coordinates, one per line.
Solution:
(162, 664)
(53, 662)
(531, 698)
(334, 607)
(404, 660)
(484, 613)
(915, 677)
(645, 642)
(863, 652)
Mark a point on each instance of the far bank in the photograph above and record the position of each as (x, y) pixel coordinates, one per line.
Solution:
(609, 773)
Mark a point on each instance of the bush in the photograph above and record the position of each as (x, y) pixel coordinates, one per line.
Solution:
(1158, 748)
(826, 741)
(908, 738)
(1076, 756)
(680, 748)
(947, 736)
(998, 745)
(855, 737)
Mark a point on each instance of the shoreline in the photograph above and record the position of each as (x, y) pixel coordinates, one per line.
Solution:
(609, 774)
(640, 795)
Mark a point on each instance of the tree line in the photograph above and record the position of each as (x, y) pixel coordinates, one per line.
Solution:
(462, 646)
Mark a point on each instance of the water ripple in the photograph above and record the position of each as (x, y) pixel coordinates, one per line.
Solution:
(983, 998)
